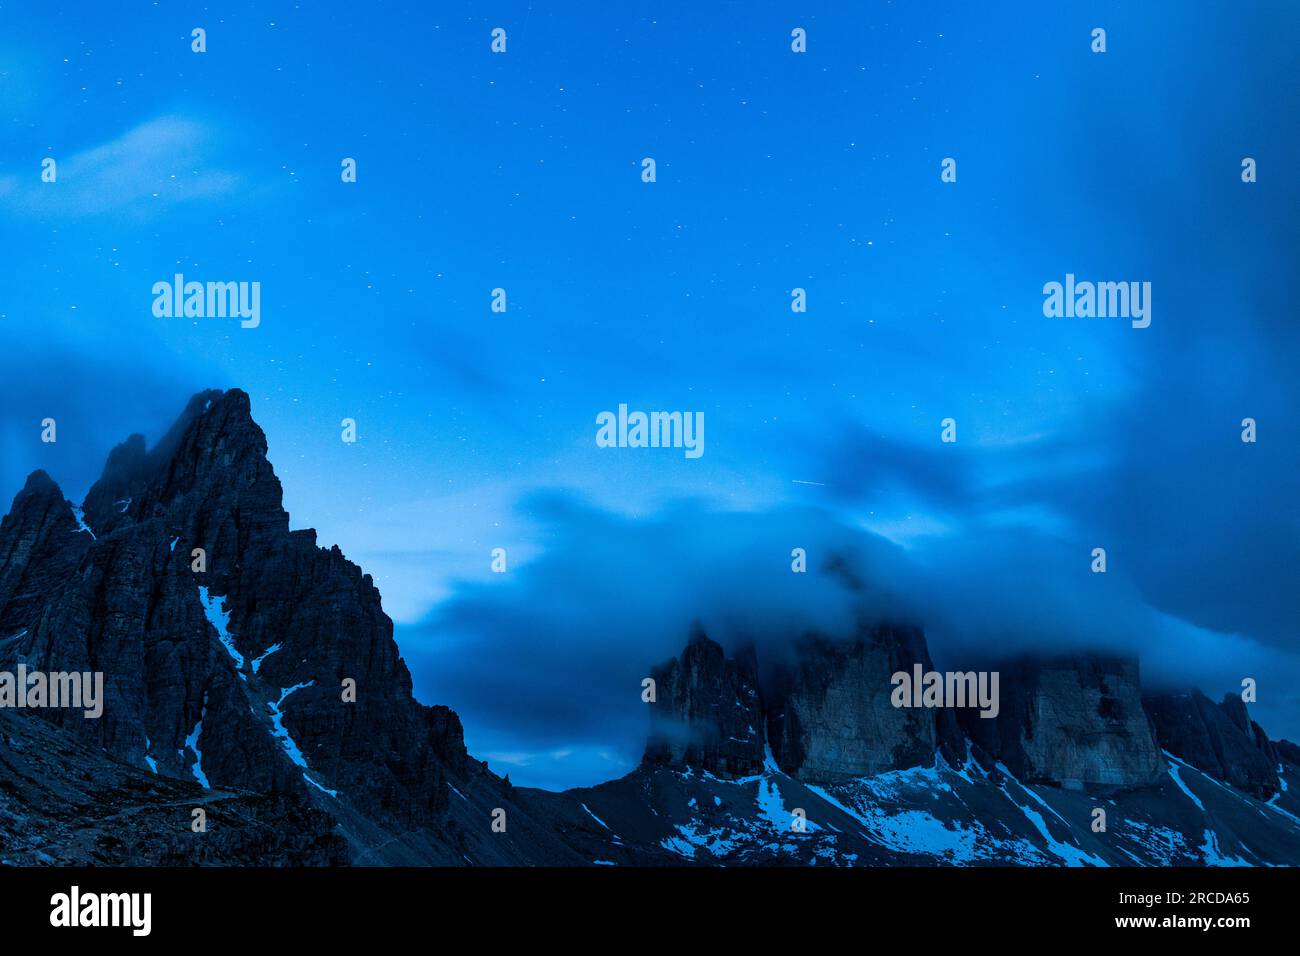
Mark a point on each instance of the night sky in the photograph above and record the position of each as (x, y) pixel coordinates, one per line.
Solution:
(775, 170)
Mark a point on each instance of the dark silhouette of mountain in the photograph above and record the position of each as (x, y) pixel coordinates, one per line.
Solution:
(233, 675)
(879, 785)
(253, 674)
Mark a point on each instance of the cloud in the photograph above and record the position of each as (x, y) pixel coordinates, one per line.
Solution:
(95, 400)
(158, 164)
(549, 657)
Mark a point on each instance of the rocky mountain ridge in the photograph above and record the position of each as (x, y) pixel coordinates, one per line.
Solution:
(252, 672)
(1176, 779)
(227, 641)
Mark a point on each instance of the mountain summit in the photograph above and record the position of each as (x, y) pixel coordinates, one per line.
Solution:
(229, 643)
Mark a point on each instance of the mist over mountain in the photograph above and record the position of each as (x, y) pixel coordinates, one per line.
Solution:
(532, 655)
(983, 575)
(248, 670)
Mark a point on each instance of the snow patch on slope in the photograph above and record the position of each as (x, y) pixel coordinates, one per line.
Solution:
(907, 831)
(892, 809)
(80, 515)
(1164, 843)
(192, 744)
(1214, 856)
(333, 793)
(717, 841)
(1177, 778)
(257, 661)
(220, 619)
(281, 733)
(1272, 805)
(1067, 853)
(594, 817)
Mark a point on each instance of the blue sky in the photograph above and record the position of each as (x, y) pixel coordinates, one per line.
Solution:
(775, 170)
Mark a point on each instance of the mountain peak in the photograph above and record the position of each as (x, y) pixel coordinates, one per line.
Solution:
(40, 483)
(214, 408)
(200, 401)
(708, 711)
(1219, 739)
(214, 450)
(125, 597)
(40, 544)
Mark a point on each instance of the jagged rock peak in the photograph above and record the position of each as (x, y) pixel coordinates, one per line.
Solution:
(229, 411)
(1219, 739)
(40, 545)
(38, 503)
(177, 642)
(214, 409)
(39, 483)
(708, 711)
(214, 446)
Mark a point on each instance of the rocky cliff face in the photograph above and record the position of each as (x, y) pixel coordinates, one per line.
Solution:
(1074, 721)
(1219, 739)
(856, 781)
(829, 716)
(230, 671)
(832, 719)
(40, 546)
(708, 711)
